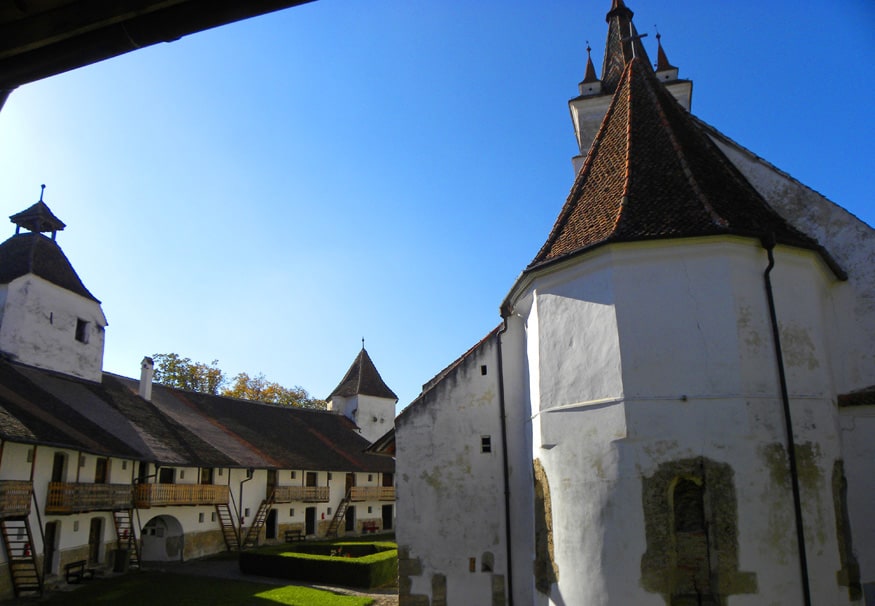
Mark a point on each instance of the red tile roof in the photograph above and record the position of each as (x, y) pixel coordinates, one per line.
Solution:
(653, 173)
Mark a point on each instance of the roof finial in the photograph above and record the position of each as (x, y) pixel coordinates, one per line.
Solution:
(42, 191)
(363, 342)
(662, 62)
(589, 75)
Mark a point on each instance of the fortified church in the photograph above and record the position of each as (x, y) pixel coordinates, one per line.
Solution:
(100, 471)
(678, 404)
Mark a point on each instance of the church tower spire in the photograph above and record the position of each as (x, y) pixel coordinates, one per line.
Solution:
(623, 43)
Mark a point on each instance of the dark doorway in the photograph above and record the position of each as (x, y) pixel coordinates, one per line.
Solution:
(166, 475)
(206, 475)
(271, 481)
(142, 472)
(388, 479)
(270, 525)
(350, 519)
(350, 481)
(387, 517)
(50, 548)
(58, 465)
(95, 539)
(310, 521)
(101, 472)
(311, 479)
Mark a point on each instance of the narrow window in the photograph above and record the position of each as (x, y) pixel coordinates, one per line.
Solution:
(82, 330)
(200, 518)
(483, 370)
(292, 513)
(329, 511)
(485, 444)
(294, 475)
(213, 517)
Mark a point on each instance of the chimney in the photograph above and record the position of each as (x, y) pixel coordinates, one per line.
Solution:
(147, 369)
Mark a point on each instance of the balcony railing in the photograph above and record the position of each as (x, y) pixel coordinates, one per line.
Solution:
(160, 495)
(15, 497)
(372, 493)
(300, 494)
(65, 497)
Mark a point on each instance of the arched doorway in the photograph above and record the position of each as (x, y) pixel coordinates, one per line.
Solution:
(162, 540)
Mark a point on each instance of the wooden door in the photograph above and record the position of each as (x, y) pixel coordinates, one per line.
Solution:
(95, 539)
(310, 521)
(101, 472)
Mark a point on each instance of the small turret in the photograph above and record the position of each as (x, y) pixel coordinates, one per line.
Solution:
(364, 397)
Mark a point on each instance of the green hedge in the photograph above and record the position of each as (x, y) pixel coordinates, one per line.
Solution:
(374, 570)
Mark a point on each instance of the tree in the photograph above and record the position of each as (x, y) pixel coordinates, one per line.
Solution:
(182, 373)
(258, 388)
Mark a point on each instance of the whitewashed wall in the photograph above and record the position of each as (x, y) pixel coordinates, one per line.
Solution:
(450, 494)
(651, 353)
(39, 328)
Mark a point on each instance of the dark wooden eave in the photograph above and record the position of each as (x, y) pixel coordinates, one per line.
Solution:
(41, 38)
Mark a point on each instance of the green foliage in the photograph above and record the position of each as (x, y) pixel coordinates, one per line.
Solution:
(373, 570)
(258, 388)
(158, 589)
(183, 373)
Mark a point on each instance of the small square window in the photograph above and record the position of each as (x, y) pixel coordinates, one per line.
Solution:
(213, 517)
(200, 518)
(329, 511)
(246, 512)
(370, 477)
(329, 475)
(221, 471)
(124, 464)
(485, 443)
(181, 474)
(370, 509)
(483, 370)
(294, 475)
(82, 330)
(76, 526)
(30, 455)
(292, 512)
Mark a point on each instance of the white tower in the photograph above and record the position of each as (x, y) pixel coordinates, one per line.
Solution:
(48, 318)
(365, 398)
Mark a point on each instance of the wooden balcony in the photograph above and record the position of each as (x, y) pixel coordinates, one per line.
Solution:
(15, 497)
(300, 494)
(65, 497)
(372, 493)
(162, 495)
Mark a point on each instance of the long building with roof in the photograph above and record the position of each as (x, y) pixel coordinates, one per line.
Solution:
(677, 406)
(114, 471)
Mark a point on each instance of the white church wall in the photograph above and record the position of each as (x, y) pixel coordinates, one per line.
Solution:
(573, 334)
(688, 316)
(518, 410)
(40, 328)
(858, 451)
(444, 476)
(850, 241)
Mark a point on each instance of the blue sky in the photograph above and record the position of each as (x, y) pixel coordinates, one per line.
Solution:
(269, 192)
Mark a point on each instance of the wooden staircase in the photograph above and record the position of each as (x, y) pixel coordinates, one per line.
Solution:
(339, 514)
(18, 541)
(251, 539)
(126, 536)
(229, 529)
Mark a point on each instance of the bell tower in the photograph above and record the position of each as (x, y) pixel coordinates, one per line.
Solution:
(48, 318)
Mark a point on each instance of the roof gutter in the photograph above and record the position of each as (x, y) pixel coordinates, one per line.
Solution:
(769, 244)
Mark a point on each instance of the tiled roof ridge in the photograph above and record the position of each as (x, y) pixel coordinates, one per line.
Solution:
(568, 207)
(676, 146)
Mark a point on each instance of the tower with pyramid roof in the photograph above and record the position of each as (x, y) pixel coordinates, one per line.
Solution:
(48, 318)
(675, 407)
(364, 397)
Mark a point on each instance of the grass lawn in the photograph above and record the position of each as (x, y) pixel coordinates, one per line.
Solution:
(157, 589)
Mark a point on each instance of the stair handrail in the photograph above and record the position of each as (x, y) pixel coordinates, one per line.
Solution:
(236, 525)
(39, 521)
